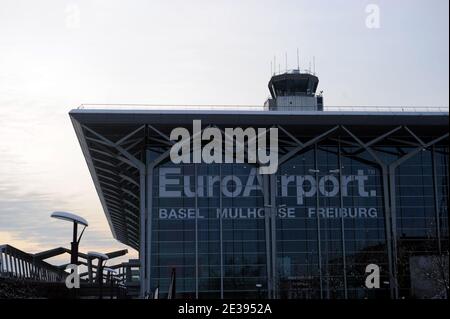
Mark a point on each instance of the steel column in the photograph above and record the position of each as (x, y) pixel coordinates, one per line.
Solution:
(221, 234)
(196, 230)
(341, 203)
(267, 233)
(436, 201)
(273, 221)
(319, 245)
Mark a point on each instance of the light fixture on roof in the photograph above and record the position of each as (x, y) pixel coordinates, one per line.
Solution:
(75, 219)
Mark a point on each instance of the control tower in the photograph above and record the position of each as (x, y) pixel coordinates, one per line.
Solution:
(294, 90)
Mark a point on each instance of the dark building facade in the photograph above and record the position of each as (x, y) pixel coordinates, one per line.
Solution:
(351, 189)
(355, 193)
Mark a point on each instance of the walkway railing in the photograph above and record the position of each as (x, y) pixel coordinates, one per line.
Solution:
(187, 107)
(15, 263)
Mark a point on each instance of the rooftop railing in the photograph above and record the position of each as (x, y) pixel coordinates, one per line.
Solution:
(188, 107)
(280, 71)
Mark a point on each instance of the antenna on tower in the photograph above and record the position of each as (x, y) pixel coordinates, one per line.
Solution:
(309, 66)
(298, 61)
(314, 65)
(271, 68)
(285, 57)
(274, 64)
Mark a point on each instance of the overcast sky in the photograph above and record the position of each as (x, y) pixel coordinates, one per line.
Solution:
(56, 55)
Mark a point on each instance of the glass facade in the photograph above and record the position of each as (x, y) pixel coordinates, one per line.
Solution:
(422, 214)
(352, 190)
(215, 254)
(334, 265)
(327, 223)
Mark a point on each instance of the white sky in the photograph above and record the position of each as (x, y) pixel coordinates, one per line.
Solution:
(55, 55)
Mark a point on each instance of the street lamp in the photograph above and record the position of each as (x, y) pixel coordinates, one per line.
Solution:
(99, 277)
(75, 219)
(101, 257)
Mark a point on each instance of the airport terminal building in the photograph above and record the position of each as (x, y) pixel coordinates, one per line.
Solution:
(353, 187)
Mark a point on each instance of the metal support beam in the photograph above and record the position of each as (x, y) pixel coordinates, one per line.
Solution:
(266, 193)
(341, 205)
(273, 237)
(387, 215)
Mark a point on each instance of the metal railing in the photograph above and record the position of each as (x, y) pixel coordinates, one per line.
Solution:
(18, 264)
(279, 71)
(387, 109)
(207, 107)
(127, 272)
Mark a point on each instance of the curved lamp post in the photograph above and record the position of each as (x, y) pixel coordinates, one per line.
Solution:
(100, 265)
(75, 219)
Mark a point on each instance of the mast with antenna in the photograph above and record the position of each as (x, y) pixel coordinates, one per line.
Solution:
(298, 61)
(285, 57)
(274, 64)
(314, 65)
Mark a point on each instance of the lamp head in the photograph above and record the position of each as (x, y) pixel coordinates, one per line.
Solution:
(94, 254)
(70, 217)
